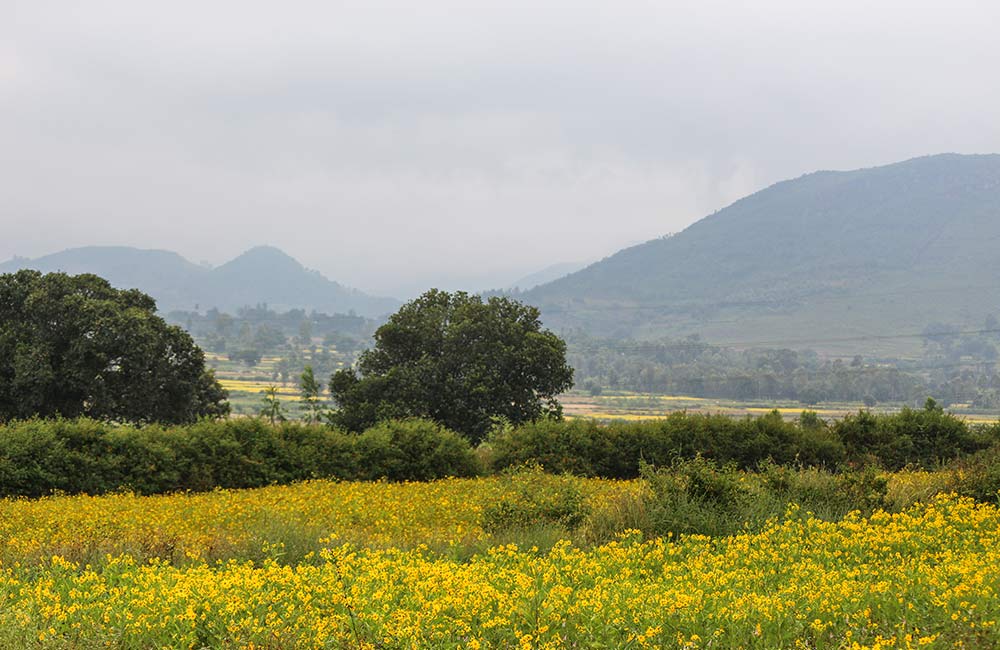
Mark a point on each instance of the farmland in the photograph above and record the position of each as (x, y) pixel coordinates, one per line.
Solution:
(246, 388)
(625, 405)
(323, 564)
(246, 385)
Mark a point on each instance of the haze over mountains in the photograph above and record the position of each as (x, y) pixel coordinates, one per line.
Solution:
(548, 274)
(860, 254)
(830, 260)
(261, 275)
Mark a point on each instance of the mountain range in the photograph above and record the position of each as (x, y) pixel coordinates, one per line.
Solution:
(261, 275)
(856, 261)
(832, 259)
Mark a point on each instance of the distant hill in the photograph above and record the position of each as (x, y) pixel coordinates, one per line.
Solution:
(548, 274)
(856, 255)
(260, 275)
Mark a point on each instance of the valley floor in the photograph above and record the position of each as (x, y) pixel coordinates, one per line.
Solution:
(623, 405)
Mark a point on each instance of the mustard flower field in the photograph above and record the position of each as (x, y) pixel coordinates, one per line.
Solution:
(420, 565)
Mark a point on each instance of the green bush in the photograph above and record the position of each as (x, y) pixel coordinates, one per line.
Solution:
(819, 446)
(532, 498)
(695, 496)
(145, 460)
(615, 450)
(558, 446)
(926, 437)
(826, 494)
(978, 476)
(414, 450)
(39, 457)
(699, 496)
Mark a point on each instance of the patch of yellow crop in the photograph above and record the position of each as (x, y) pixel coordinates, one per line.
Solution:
(978, 417)
(225, 523)
(794, 410)
(924, 577)
(633, 417)
(665, 398)
(248, 386)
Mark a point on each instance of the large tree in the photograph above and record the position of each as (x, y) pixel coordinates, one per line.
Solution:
(75, 346)
(459, 360)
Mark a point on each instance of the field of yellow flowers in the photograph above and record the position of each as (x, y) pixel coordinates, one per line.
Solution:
(377, 565)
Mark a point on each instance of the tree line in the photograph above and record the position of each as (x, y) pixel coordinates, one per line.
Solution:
(953, 369)
(42, 456)
(75, 346)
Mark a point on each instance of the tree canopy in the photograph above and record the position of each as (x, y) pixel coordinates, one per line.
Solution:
(75, 346)
(458, 360)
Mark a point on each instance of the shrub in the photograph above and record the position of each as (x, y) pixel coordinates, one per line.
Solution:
(978, 476)
(826, 494)
(700, 496)
(557, 446)
(414, 450)
(615, 450)
(695, 497)
(533, 499)
(39, 457)
(819, 446)
(926, 437)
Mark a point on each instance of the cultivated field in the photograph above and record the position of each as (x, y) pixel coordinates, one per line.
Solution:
(377, 565)
(622, 405)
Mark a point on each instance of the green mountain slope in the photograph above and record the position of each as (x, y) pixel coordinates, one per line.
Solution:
(831, 255)
(261, 275)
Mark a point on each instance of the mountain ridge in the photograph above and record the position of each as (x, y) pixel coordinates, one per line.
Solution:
(262, 274)
(794, 255)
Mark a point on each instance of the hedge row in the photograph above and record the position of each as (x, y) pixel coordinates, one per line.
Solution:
(39, 457)
(925, 437)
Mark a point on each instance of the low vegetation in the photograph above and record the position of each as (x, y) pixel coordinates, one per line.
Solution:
(39, 457)
(926, 437)
(527, 559)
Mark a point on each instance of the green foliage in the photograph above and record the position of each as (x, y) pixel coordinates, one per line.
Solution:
(38, 457)
(571, 446)
(695, 496)
(414, 450)
(250, 356)
(699, 496)
(272, 408)
(927, 437)
(828, 495)
(615, 450)
(310, 389)
(978, 476)
(534, 499)
(459, 361)
(76, 346)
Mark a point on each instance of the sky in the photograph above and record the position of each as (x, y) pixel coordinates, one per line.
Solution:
(397, 146)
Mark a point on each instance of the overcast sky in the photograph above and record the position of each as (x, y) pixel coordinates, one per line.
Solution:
(395, 146)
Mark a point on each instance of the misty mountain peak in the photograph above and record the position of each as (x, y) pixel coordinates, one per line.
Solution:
(264, 259)
(263, 274)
